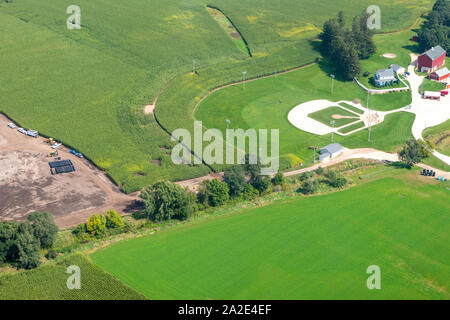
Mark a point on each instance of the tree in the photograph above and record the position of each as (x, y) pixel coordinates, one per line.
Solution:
(436, 29)
(216, 192)
(309, 186)
(234, 177)
(8, 233)
(165, 200)
(249, 193)
(261, 183)
(252, 165)
(413, 152)
(44, 228)
(114, 220)
(96, 225)
(278, 179)
(27, 246)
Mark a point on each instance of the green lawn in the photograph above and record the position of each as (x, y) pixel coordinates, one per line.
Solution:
(355, 126)
(325, 116)
(352, 108)
(48, 282)
(440, 135)
(307, 248)
(430, 85)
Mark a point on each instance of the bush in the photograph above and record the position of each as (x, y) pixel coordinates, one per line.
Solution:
(306, 175)
(216, 192)
(309, 187)
(114, 220)
(319, 171)
(27, 247)
(165, 201)
(44, 228)
(249, 193)
(96, 225)
(278, 179)
(51, 254)
(338, 182)
(234, 177)
(261, 183)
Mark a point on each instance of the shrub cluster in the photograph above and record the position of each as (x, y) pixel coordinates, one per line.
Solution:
(20, 243)
(99, 225)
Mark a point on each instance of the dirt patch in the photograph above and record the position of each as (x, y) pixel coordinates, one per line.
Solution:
(27, 185)
(338, 116)
(390, 55)
(156, 161)
(149, 109)
(356, 101)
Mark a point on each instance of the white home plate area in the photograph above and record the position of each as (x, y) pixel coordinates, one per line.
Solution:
(298, 116)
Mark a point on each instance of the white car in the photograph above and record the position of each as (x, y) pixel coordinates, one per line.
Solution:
(11, 125)
(22, 130)
(56, 145)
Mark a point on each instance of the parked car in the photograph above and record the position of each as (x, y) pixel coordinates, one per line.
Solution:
(32, 133)
(79, 155)
(22, 130)
(56, 145)
(11, 125)
(444, 93)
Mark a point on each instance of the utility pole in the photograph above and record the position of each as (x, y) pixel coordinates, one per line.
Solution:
(332, 132)
(332, 83)
(193, 69)
(243, 78)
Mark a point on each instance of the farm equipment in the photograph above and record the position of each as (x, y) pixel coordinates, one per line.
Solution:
(53, 153)
(50, 141)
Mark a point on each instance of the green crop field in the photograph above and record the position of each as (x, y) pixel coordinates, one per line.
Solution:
(325, 116)
(306, 248)
(88, 87)
(49, 282)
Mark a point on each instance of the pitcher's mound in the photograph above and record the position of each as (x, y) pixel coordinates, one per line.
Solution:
(390, 55)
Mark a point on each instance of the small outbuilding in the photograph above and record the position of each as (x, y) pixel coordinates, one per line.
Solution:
(330, 151)
(432, 95)
(397, 68)
(440, 75)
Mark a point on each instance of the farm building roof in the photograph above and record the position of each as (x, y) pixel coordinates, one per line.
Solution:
(331, 148)
(432, 94)
(395, 67)
(384, 73)
(435, 52)
(442, 72)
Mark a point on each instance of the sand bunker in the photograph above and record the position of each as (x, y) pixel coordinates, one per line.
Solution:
(149, 108)
(390, 55)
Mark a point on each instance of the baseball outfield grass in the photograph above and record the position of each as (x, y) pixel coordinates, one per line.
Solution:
(306, 248)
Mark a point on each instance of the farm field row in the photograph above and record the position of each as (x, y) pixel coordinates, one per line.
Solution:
(87, 88)
(306, 248)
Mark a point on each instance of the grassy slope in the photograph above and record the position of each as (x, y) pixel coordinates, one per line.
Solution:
(307, 248)
(87, 88)
(48, 282)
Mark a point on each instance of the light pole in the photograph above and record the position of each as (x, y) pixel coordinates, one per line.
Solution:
(332, 131)
(228, 122)
(332, 83)
(243, 78)
(193, 67)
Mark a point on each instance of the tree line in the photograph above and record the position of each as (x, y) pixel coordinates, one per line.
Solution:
(344, 48)
(20, 243)
(436, 29)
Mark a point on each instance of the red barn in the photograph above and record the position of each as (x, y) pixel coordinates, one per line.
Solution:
(431, 60)
(440, 75)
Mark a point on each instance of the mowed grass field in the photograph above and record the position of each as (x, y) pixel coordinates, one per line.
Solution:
(49, 282)
(88, 87)
(306, 248)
